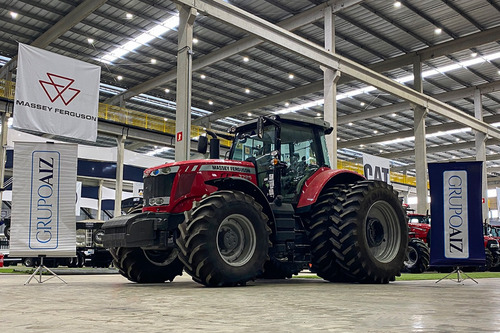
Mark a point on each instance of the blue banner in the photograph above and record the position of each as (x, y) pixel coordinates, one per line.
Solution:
(456, 214)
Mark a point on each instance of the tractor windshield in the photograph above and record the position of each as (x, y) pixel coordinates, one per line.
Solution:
(302, 151)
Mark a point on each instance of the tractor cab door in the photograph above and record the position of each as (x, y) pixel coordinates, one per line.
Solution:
(303, 149)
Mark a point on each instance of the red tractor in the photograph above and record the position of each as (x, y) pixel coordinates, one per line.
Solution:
(268, 210)
(418, 255)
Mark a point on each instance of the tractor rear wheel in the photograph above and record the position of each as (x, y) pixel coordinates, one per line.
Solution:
(224, 241)
(489, 261)
(147, 266)
(323, 259)
(417, 256)
(371, 233)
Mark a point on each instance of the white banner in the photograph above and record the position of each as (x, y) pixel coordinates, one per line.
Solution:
(43, 203)
(56, 94)
(498, 199)
(377, 168)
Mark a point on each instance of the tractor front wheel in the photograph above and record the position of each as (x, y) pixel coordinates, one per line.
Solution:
(224, 241)
(417, 256)
(147, 266)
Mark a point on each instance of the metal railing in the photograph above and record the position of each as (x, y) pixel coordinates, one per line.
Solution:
(159, 124)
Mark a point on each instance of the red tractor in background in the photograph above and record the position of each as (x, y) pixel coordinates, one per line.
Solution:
(418, 255)
(268, 210)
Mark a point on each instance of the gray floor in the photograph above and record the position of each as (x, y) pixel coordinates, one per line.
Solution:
(109, 303)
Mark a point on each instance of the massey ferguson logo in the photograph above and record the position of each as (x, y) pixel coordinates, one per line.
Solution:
(59, 87)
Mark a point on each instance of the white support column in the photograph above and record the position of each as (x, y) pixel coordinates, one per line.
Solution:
(420, 144)
(99, 200)
(330, 79)
(187, 16)
(120, 152)
(481, 150)
(3, 152)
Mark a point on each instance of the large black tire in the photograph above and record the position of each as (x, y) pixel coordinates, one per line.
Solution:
(275, 269)
(371, 233)
(30, 262)
(417, 257)
(323, 259)
(224, 241)
(489, 261)
(147, 266)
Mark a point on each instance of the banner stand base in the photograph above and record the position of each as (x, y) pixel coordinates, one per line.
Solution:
(460, 278)
(39, 270)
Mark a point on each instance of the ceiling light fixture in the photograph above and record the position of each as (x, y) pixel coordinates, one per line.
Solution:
(13, 15)
(350, 124)
(246, 59)
(210, 102)
(291, 76)
(247, 90)
(473, 54)
(119, 77)
(153, 61)
(249, 114)
(288, 104)
(362, 103)
(203, 76)
(90, 40)
(129, 16)
(167, 90)
(195, 40)
(438, 31)
(397, 4)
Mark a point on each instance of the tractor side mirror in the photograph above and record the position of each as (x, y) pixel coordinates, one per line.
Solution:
(260, 127)
(214, 148)
(202, 144)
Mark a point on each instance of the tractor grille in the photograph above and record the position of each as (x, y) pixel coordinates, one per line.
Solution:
(157, 186)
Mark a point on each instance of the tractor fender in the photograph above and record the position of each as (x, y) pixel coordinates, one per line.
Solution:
(246, 186)
(322, 178)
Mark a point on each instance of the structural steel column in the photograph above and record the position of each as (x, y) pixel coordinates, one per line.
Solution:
(187, 16)
(3, 140)
(99, 200)
(481, 150)
(120, 152)
(330, 78)
(420, 144)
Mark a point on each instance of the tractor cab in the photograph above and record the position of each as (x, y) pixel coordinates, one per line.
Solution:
(285, 151)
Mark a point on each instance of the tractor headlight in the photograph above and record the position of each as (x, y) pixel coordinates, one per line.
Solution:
(158, 201)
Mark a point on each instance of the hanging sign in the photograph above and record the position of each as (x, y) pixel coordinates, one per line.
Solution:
(43, 200)
(377, 168)
(56, 94)
(456, 214)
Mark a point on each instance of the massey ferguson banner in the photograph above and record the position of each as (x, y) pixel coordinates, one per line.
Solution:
(456, 214)
(56, 94)
(43, 200)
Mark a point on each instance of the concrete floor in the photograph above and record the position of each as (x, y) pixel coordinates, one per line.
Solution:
(109, 303)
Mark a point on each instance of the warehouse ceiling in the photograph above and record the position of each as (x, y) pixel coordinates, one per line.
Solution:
(135, 43)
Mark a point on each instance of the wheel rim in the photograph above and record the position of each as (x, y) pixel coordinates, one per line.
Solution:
(411, 257)
(383, 231)
(236, 240)
(161, 258)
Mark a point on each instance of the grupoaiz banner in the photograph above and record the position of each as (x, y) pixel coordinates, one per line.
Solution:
(56, 94)
(456, 213)
(43, 200)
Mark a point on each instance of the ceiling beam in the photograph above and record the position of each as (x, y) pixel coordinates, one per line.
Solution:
(444, 97)
(307, 17)
(479, 38)
(409, 167)
(409, 133)
(67, 22)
